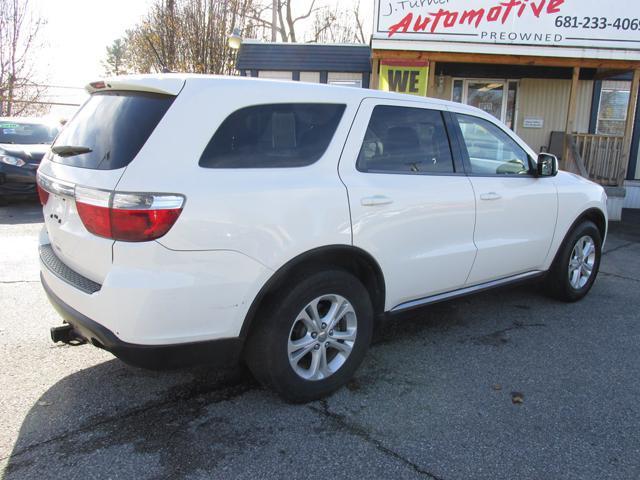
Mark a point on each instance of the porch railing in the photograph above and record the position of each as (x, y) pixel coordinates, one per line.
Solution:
(600, 157)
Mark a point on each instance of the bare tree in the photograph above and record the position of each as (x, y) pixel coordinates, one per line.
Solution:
(192, 35)
(338, 25)
(19, 30)
(189, 36)
(287, 17)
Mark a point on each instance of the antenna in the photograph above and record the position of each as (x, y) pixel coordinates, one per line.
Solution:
(164, 67)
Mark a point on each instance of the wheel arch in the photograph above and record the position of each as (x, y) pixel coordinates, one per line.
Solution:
(351, 259)
(594, 215)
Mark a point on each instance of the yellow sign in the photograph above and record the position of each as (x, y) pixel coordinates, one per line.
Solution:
(404, 77)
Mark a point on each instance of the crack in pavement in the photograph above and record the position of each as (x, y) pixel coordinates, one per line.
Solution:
(361, 433)
(622, 277)
(620, 247)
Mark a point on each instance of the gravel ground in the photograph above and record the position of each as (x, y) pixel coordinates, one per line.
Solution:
(503, 385)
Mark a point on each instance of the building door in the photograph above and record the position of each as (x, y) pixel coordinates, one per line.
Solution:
(496, 97)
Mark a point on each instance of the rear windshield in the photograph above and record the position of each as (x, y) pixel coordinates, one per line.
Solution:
(27, 133)
(273, 136)
(115, 126)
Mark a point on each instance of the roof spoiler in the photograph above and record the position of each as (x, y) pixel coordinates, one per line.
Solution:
(151, 84)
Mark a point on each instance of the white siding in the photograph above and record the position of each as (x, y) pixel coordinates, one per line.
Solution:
(549, 99)
(275, 75)
(310, 77)
(632, 200)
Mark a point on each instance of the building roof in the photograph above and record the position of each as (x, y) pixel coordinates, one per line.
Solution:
(304, 57)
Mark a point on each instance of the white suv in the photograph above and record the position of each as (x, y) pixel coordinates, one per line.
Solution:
(210, 219)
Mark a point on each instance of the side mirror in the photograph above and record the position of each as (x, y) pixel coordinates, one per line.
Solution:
(547, 165)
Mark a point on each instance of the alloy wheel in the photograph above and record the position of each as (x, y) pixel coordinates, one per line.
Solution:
(582, 262)
(322, 337)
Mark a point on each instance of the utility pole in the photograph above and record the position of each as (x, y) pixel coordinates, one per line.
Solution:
(274, 21)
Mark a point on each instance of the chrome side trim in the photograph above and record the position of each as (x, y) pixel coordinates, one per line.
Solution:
(466, 291)
(56, 187)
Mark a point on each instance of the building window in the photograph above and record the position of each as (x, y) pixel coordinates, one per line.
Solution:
(496, 97)
(612, 114)
(347, 83)
(345, 79)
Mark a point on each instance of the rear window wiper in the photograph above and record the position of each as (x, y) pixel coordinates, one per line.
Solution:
(70, 150)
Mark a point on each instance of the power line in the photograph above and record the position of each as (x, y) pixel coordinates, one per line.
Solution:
(34, 102)
(33, 84)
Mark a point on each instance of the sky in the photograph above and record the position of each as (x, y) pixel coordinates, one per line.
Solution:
(78, 32)
(74, 42)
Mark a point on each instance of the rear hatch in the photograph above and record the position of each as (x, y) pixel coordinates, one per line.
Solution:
(88, 159)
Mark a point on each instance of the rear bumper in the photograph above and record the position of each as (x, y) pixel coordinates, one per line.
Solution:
(153, 296)
(221, 352)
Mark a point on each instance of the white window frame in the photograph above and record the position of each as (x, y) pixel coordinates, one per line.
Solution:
(505, 94)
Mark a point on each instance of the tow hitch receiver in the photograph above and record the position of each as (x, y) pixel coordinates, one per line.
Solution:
(67, 335)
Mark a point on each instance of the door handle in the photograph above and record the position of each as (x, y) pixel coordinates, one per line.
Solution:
(490, 196)
(375, 201)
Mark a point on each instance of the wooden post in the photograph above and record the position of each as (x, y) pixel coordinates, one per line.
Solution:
(571, 114)
(628, 131)
(375, 74)
(431, 86)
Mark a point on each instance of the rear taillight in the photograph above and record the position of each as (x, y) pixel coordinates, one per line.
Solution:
(43, 195)
(128, 217)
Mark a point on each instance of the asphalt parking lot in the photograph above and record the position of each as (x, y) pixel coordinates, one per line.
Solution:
(503, 385)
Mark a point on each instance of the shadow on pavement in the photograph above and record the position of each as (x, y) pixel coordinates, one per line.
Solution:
(20, 211)
(114, 405)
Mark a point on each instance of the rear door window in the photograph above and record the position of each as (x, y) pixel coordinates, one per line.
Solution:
(273, 136)
(114, 126)
(407, 141)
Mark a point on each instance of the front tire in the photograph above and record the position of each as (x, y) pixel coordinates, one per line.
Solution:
(576, 267)
(313, 337)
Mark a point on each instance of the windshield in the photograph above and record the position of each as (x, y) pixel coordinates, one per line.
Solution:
(27, 133)
(110, 129)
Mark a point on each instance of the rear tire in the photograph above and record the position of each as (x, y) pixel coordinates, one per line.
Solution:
(312, 337)
(577, 264)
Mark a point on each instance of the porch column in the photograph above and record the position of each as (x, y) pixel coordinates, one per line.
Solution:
(431, 86)
(628, 131)
(375, 74)
(571, 115)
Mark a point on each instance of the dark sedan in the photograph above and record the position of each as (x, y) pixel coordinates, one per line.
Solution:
(23, 143)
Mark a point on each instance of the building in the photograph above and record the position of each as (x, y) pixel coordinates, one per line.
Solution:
(346, 65)
(563, 74)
